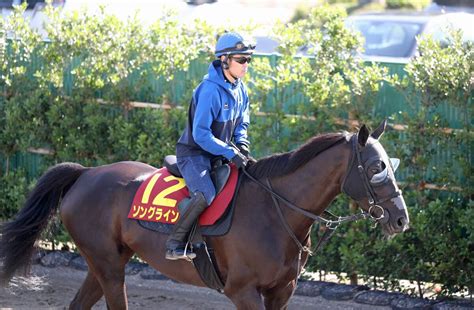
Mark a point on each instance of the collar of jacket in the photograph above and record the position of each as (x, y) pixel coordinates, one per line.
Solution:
(216, 75)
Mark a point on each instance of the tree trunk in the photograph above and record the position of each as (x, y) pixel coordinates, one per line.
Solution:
(7, 165)
(354, 278)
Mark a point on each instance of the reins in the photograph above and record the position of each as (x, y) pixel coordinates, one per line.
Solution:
(330, 220)
(330, 224)
(333, 222)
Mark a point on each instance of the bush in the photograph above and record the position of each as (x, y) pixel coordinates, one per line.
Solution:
(13, 193)
(407, 4)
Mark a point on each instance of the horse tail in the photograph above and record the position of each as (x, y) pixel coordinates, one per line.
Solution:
(17, 237)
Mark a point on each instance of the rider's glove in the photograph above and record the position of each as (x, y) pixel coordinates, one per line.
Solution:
(239, 160)
(244, 149)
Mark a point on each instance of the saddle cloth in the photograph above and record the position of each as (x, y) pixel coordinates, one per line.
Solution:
(157, 199)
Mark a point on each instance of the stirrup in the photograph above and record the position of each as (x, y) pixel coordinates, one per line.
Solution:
(180, 252)
(173, 255)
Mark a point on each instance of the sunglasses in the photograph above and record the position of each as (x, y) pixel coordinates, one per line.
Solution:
(242, 60)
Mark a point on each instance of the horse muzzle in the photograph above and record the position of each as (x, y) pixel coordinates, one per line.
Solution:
(395, 216)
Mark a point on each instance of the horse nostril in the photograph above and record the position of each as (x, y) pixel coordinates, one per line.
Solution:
(401, 222)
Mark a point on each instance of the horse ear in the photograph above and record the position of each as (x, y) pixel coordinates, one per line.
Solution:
(395, 163)
(363, 135)
(380, 129)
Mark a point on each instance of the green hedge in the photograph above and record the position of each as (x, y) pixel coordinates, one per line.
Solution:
(407, 4)
(50, 99)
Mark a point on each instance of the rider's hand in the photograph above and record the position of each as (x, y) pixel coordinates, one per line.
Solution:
(244, 149)
(239, 160)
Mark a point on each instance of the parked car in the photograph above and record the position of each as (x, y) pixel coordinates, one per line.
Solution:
(393, 37)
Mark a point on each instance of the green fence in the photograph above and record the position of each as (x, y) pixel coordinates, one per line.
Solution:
(178, 92)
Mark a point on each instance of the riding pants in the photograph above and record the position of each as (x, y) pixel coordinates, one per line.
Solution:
(196, 173)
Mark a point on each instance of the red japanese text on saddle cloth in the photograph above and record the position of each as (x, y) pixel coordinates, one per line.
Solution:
(157, 199)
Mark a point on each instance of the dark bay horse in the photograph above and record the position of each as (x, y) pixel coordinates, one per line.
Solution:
(258, 259)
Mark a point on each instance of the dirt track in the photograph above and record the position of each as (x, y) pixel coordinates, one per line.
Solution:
(54, 288)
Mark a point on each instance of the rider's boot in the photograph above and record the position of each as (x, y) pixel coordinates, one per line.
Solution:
(189, 209)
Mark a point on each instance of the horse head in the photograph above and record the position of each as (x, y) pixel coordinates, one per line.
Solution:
(370, 180)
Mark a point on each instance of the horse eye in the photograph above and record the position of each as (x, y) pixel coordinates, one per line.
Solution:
(378, 167)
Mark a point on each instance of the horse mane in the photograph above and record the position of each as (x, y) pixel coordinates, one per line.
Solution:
(283, 163)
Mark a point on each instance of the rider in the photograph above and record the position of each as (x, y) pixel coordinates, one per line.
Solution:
(218, 114)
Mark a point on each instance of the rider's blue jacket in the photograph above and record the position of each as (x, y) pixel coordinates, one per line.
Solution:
(218, 113)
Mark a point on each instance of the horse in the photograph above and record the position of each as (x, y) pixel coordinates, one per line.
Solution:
(261, 256)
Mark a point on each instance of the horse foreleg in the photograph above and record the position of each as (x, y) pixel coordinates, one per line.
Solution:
(247, 298)
(279, 297)
(89, 293)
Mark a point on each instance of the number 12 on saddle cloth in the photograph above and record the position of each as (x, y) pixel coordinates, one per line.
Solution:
(157, 199)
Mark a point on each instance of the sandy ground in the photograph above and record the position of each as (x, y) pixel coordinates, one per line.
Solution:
(54, 288)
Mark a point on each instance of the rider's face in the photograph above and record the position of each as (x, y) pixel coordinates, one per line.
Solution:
(238, 64)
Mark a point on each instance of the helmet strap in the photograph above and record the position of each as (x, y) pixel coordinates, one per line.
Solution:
(225, 66)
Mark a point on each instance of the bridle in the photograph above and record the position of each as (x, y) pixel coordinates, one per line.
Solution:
(373, 201)
(331, 224)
